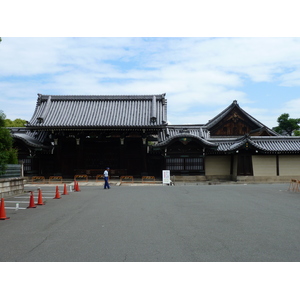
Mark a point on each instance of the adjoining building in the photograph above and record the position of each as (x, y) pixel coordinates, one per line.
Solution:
(70, 135)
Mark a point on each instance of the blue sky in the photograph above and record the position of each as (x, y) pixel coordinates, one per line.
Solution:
(201, 76)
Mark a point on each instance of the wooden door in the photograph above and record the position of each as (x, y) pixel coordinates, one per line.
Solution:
(245, 165)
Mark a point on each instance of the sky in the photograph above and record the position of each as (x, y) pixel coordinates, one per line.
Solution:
(200, 76)
(201, 73)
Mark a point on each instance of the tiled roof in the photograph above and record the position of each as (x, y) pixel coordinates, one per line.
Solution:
(173, 130)
(278, 143)
(30, 141)
(187, 135)
(99, 111)
(284, 144)
(33, 139)
(170, 133)
(138, 111)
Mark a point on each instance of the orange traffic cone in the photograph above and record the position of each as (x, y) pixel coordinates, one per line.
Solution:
(31, 201)
(57, 194)
(40, 198)
(2, 211)
(77, 187)
(65, 190)
(74, 185)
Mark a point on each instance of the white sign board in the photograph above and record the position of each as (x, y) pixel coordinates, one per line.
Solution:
(166, 176)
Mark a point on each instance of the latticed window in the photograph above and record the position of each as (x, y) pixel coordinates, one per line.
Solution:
(185, 164)
(175, 164)
(27, 164)
(194, 164)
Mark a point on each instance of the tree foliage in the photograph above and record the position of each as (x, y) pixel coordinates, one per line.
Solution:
(2, 118)
(296, 132)
(15, 123)
(8, 155)
(287, 125)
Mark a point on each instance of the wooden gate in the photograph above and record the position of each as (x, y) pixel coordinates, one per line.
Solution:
(245, 167)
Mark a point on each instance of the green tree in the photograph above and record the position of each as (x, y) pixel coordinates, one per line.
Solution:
(287, 125)
(16, 123)
(8, 155)
(296, 132)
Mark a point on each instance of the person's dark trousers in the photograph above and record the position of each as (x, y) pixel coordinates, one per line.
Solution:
(106, 185)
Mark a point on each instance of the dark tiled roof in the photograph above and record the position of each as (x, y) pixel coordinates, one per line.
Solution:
(30, 141)
(284, 144)
(173, 130)
(277, 144)
(170, 133)
(99, 111)
(138, 111)
(187, 135)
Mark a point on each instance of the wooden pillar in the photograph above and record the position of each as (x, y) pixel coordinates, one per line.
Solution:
(144, 155)
(277, 165)
(79, 158)
(57, 153)
(122, 153)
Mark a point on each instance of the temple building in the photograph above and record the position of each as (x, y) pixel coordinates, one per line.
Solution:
(70, 135)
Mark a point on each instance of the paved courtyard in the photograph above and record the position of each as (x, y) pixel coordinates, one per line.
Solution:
(182, 223)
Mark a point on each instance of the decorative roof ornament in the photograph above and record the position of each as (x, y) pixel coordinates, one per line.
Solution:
(153, 110)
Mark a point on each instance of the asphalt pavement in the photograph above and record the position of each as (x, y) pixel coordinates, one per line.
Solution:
(154, 223)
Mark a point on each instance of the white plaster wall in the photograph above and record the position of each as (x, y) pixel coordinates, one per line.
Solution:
(217, 165)
(264, 165)
(289, 165)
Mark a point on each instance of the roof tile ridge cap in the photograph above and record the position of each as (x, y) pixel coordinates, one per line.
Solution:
(46, 109)
(254, 119)
(102, 97)
(263, 126)
(228, 108)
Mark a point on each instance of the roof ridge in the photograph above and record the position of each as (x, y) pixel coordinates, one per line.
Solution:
(222, 113)
(136, 96)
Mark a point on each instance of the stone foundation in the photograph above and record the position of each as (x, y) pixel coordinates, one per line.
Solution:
(11, 186)
(200, 178)
(237, 179)
(266, 179)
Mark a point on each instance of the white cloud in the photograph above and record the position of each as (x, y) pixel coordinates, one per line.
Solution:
(292, 107)
(198, 74)
(290, 79)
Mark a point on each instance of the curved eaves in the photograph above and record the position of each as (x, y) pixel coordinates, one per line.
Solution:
(173, 138)
(29, 141)
(241, 143)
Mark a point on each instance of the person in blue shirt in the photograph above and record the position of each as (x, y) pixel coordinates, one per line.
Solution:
(106, 184)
